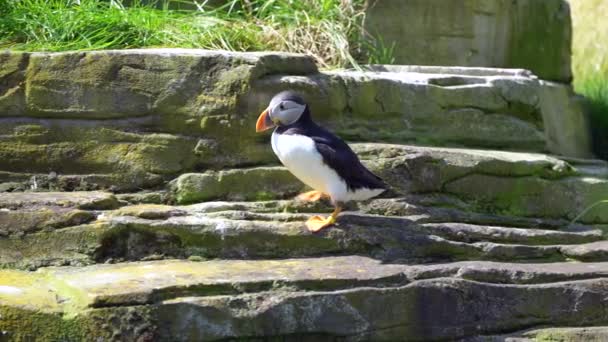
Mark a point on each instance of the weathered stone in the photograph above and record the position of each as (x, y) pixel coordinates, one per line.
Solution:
(329, 297)
(533, 196)
(147, 197)
(522, 184)
(29, 220)
(81, 200)
(144, 283)
(429, 226)
(132, 181)
(449, 70)
(472, 233)
(566, 125)
(589, 167)
(95, 296)
(28, 212)
(571, 334)
(528, 34)
(406, 168)
(428, 309)
(28, 291)
(12, 76)
(275, 229)
(149, 211)
(430, 169)
(125, 120)
(432, 109)
(240, 184)
(132, 83)
(191, 120)
(135, 113)
(79, 147)
(590, 251)
(507, 273)
(67, 246)
(559, 334)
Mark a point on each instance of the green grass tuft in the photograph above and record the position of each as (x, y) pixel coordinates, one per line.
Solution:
(329, 30)
(590, 65)
(586, 210)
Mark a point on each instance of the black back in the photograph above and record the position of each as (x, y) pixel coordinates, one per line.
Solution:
(336, 153)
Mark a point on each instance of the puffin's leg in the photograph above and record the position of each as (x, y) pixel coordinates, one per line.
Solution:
(316, 223)
(312, 196)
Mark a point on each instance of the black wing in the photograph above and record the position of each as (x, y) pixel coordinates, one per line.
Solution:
(340, 157)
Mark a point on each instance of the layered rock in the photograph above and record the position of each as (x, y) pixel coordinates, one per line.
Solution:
(493, 182)
(128, 292)
(405, 229)
(337, 297)
(196, 235)
(125, 120)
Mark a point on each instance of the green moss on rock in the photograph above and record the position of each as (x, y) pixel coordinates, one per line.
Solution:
(238, 184)
(134, 323)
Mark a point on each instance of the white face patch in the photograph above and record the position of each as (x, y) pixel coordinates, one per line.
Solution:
(286, 112)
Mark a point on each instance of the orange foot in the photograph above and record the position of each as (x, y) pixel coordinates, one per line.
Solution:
(312, 196)
(316, 223)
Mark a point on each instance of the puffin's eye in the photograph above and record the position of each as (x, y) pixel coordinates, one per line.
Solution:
(281, 107)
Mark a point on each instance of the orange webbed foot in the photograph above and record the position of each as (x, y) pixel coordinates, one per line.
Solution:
(316, 223)
(312, 196)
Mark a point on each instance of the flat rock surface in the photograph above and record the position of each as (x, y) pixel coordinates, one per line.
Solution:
(153, 281)
(76, 199)
(494, 182)
(569, 334)
(326, 294)
(413, 265)
(411, 229)
(28, 212)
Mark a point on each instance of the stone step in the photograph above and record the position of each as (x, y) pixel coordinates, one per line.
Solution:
(397, 229)
(77, 199)
(25, 212)
(132, 119)
(519, 184)
(568, 334)
(332, 297)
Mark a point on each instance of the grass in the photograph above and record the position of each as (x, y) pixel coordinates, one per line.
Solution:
(329, 30)
(590, 65)
(590, 68)
(586, 210)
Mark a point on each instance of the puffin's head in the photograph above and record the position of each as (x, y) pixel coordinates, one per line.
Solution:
(284, 109)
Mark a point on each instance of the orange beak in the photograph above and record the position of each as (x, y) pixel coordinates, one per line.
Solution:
(264, 122)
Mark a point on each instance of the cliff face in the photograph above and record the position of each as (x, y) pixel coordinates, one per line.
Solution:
(137, 203)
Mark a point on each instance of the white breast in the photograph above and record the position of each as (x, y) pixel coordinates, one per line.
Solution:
(300, 156)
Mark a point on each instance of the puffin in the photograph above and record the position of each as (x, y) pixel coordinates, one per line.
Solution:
(317, 157)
